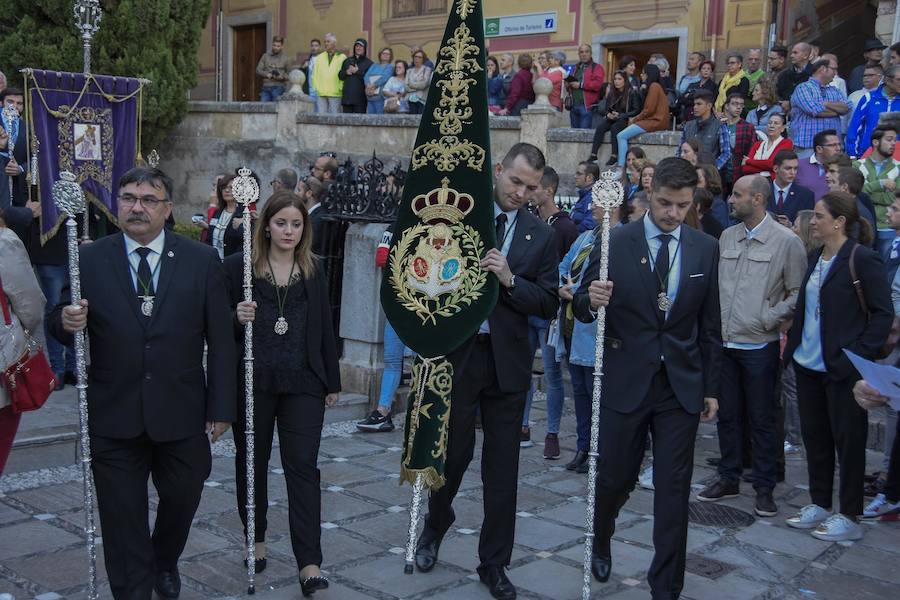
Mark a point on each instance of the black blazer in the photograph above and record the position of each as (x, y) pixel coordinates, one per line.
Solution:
(798, 198)
(843, 322)
(232, 239)
(690, 339)
(317, 221)
(147, 375)
(532, 259)
(20, 182)
(321, 346)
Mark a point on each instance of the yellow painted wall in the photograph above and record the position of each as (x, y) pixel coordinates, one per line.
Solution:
(746, 23)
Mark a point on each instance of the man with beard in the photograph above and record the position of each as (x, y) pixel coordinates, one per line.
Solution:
(273, 67)
(151, 301)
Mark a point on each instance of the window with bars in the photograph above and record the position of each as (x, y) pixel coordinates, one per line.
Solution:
(418, 8)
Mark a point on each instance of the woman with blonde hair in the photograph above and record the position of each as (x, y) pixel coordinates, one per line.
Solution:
(295, 374)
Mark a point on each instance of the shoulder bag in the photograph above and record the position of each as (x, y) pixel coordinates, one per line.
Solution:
(29, 380)
(894, 335)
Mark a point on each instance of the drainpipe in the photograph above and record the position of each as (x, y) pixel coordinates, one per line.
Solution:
(895, 33)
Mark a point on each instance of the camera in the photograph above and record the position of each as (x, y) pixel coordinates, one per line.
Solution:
(198, 218)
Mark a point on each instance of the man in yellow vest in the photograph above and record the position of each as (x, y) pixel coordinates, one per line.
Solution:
(328, 85)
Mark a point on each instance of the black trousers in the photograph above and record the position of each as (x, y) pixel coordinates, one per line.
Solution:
(831, 420)
(748, 388)
(121, 468)
(474, 388)
(622, 448)
(355, 108)
(613, 127)
(300, 418)
(892, 483)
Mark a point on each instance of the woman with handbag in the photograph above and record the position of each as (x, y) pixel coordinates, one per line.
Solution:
(620, 103)
(394, 91)
(21, 314)
(376, 76)
(844, 302)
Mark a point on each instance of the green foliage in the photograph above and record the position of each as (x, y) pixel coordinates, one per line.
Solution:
(153, 39)
(190, 231)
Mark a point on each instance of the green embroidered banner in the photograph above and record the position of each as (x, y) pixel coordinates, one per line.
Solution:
(434, 291)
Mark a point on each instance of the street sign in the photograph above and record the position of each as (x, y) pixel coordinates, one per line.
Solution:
(527, 24)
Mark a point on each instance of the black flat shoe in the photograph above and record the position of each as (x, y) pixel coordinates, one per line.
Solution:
(311, 585)
(427, 550)
(168, 584)
(580, 458)
(612, 160)
(498, 583)
(259, 565)
(601, 567)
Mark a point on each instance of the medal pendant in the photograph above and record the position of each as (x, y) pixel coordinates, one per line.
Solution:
(281, 326)
(147, 306)
(664, 302)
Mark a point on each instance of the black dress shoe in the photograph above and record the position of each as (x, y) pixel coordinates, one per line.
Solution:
(168, 583)
(70, 378)
(427, 550)
(580, 458)
(259, 564)
(601, 567)
(498, 583)
(311, 585)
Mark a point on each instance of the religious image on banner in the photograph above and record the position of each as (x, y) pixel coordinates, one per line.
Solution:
(434, 291)
(87, 141)
(88, 125)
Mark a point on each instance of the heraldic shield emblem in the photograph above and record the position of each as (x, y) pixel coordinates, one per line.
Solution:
(434, 292)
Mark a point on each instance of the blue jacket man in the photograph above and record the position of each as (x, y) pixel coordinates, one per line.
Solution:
(867, 112)
(585, 175)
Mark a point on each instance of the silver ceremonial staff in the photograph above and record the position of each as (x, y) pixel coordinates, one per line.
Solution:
(246, 191)
(10, 117)
(607, 194)
(69, 199)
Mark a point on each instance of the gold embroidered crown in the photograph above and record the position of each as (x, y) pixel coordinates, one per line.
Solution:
(443, 204)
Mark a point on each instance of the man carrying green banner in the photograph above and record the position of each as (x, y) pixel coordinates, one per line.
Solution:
(468, 265)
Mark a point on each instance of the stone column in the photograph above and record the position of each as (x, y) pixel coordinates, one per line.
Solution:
(362, 320)
(536, 120)
(884, 21)
(289, 105)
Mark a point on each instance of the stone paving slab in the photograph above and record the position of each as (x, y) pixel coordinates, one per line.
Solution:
(365, 519)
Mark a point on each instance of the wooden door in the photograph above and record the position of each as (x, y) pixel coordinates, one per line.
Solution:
(642, 51)
(249, 46)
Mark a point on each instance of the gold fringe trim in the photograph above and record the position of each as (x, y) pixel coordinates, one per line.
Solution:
(432, 479)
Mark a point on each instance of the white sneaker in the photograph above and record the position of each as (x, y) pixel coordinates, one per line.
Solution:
(790, 448)
(838, 528)
(879, 507)
(809, 517)
(645, 479)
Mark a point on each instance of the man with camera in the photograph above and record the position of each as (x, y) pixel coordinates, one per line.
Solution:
(273, 67)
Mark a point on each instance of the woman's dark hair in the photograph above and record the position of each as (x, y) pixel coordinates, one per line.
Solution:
(221, 185)
(703, 199)
(712, 177)
(712, 66)
(401, 62)
(841, 204)
(614, 94)
(652, 73)
(625, 61)
(694, 143)
(637, 151)
(783, 119)
(493, 59)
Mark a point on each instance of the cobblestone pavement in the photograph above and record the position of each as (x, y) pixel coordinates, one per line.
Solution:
(364, 523)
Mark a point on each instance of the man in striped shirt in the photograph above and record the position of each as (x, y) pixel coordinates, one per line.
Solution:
(816, 106)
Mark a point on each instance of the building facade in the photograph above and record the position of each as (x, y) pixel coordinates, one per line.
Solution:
(239, 31)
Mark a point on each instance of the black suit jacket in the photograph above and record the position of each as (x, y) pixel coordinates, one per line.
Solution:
(321, 349)
(147, 375)
(20, 183)
(317, 220)
(532, 259)
(844, 324)
(232, 238)
(690, 339)
(798, 198)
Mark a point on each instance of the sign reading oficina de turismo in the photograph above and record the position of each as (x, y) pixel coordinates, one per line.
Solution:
(528, 24)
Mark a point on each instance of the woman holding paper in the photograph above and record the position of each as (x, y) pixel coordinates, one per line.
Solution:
(835, 312)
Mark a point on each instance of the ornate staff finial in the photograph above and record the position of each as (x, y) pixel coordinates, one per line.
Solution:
(607, 192)
(153, 158)
(244, 187)
(68, 195)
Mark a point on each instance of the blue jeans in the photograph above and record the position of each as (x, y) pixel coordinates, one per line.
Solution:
(271, 93)
(580, 117)
(376, 106)
(583, 390)
(748, 379)
(52, 278)
(623, 136)
(537, 334)
(393, 366)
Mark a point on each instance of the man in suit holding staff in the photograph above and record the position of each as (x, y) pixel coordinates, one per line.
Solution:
(662, 355)
(151, 299)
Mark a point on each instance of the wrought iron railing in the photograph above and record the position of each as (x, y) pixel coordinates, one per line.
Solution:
(365, 192)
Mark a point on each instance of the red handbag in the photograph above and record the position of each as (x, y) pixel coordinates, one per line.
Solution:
(29, 380)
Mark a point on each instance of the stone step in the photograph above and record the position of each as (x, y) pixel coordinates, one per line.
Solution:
(350, 407)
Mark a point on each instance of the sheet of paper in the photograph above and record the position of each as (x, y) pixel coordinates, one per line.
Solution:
(884, 378)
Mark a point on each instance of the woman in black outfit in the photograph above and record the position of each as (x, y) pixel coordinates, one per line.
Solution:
(832, 314)
(295, 374)
(703, 201)
(620, 103)
(225, 238)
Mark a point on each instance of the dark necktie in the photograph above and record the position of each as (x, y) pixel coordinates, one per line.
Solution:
(144, 275)
(779, 206)
(501, 231)
(662, 263)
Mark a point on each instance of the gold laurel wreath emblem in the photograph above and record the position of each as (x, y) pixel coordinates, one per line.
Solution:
(470, 289)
